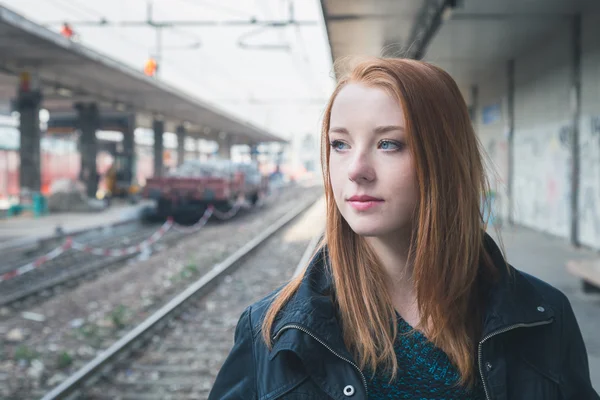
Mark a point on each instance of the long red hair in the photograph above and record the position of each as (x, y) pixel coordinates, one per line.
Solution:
(447, 256)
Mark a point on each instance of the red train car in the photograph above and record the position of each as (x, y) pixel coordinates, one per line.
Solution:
(186, 192)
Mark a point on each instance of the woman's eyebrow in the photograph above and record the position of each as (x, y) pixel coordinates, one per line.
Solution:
(378, 130)
(339, 130)
(388, 128)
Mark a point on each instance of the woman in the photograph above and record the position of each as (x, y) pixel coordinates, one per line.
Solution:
(407, 297)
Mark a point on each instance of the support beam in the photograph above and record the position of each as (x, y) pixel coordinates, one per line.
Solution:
(129, 147)
(225, 147)
(432, 15)
(474, 108)
(198, 149)
(576, 119)
(254, 152)
(88, 121)
(180, 144)
(28, 105)
(510, 116)
(159, 128)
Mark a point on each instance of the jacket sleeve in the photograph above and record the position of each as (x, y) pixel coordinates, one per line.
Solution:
(236, 378)
(575, 381)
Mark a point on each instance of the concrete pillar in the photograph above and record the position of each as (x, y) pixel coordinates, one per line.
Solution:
(180, 130)
(129, 146)
(510, 74)
(576, 119)
(224, 147)
(159, 128)
(198, 149)
(254, 152)
(88, 122)
(474, 103)
(28, 105)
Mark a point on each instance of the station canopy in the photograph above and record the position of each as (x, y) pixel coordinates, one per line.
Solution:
(468, 38)
(69, 72)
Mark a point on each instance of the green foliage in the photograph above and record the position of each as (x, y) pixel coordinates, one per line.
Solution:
(64, 360)
(118, 316)
(24, 352)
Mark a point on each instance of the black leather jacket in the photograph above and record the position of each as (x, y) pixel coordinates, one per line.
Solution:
(531, 347)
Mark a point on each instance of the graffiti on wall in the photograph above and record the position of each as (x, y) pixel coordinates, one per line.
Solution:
(496, 162)
(589, 184)
(542, 178)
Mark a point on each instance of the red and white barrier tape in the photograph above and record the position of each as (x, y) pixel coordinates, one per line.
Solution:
(156, 236)
(37, 263)
(98, 251)
(70, 244)
(229, 214)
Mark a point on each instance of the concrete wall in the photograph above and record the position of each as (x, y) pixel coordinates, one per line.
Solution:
(542, 154)
(492, 126)
(589, 194)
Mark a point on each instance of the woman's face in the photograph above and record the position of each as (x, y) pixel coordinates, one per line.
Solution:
(370, 166)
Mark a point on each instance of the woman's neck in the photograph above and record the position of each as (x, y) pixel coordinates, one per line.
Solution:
(392, 252)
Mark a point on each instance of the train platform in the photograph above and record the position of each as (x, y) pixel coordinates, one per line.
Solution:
(24, 229)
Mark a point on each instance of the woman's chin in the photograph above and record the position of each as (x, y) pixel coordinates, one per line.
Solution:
(368, 229)
(372, 227)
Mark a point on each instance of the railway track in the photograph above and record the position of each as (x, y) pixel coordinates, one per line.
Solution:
(187, 340)
(73, 266)
(15, 252)
(84, 321)
(69, 266)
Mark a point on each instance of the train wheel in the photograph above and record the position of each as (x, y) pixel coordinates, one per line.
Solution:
(223, 207)
(164, 208)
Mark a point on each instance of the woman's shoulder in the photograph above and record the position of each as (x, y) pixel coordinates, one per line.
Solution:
(550, 293)
(258, 310)
(531, 287)
(313, 291)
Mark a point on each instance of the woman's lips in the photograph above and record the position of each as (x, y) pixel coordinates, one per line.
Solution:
(363, 203)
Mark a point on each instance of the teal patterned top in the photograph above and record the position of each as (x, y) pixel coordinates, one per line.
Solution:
(424, 373)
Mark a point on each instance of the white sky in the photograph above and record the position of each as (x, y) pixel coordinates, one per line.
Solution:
(281, 91)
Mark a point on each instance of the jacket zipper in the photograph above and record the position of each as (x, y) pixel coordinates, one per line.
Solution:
(364, 380)
(498, 332)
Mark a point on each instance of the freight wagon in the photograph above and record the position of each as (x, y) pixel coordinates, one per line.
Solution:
(185, 193)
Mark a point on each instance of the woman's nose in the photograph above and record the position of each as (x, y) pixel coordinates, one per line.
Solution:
(360, 169)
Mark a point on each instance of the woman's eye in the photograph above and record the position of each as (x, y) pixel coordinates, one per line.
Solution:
(389, 145)
(338, 145)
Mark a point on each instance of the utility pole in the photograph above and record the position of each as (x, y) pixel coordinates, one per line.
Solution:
(158, 48)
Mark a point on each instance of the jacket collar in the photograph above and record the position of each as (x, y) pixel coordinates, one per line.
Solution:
(313, 308)
(512, 301)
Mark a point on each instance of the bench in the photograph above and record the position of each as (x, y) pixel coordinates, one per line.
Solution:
(588, 271)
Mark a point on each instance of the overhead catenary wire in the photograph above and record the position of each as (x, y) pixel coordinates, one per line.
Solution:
(72, 9)
(87, 8)
(66, 5)
(216, 6)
